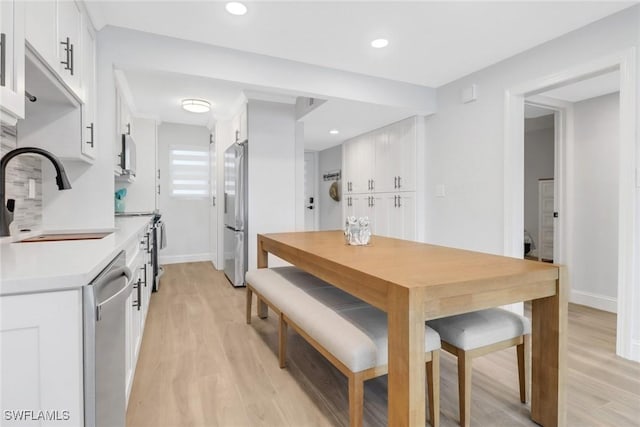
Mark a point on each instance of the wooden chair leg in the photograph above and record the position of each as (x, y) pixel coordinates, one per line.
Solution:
(433, 382)
(249, 302)
(282, 342)
(523, 368)
(263, 309)
(356, 399)
(464, 388)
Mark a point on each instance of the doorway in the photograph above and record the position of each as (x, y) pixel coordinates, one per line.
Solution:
(539, 171)
(310, 191)
(565, 174)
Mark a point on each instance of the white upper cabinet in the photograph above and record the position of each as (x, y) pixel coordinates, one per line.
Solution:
(41, 29)
(379, 179)
(70, 45)
(396, 155)
(11, 61)
(54, 30)
(89, 146)
(383, 160)
(359, 158)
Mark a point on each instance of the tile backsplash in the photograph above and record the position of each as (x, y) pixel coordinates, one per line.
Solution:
(28, 212)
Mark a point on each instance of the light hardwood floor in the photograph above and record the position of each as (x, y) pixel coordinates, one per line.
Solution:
(202, 365)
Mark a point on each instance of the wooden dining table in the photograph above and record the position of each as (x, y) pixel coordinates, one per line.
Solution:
(414, 282)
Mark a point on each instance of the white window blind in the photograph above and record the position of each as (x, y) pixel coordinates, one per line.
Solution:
(189, 167)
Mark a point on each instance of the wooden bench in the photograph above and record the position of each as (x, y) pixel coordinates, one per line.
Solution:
(348, 332)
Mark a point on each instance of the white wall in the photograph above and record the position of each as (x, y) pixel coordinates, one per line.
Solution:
(187, 220)
(141, 194)
(330, 211)
(594, 235)
(465, 149)
(538, 164)
(272, 171)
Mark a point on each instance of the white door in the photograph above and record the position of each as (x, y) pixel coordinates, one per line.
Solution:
(213, 207)
(310, 196)
(545, 219)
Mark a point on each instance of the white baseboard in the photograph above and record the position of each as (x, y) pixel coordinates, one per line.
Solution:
(177, 259)
(601, 302)
(635, 351)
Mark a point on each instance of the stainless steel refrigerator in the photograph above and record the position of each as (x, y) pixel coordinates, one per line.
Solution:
(235, 213)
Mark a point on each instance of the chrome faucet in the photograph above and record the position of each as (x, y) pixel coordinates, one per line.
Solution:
(6, 212)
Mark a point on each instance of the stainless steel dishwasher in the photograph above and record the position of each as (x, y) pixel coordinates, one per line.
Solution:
(104, 302)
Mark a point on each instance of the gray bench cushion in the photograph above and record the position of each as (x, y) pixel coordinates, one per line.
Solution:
(480, 328)
(351, 330)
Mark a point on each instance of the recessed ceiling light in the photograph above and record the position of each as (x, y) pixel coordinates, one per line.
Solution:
(236, 8)
(196, 105)
(380, 43)
(334, 131)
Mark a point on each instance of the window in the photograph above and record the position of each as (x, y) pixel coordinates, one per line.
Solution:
(189, 167)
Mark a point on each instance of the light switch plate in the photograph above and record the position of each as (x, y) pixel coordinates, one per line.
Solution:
(440, 190)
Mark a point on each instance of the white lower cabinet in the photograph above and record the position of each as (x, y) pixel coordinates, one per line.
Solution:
(395, 215)
(138, 261)
(41, 359)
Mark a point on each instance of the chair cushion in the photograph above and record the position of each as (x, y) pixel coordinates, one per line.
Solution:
(481, 328)
(373, 322)
(351, 330)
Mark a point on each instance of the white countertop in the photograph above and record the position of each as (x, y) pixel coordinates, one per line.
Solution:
(52, 266)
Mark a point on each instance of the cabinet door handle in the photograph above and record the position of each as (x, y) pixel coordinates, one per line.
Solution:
(144, 269)
(138, 302)
(3, 58)
(71, 55)
(399, 205)
(399, 183)
(90, 127)
(395, 201)
(395, 182)
(128, 128)
(373, 201)
(373, 184)
(67, 50)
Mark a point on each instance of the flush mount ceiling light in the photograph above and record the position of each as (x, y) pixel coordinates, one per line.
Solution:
(236, 8)
(334, 131)
(196, 105)
(380, 43)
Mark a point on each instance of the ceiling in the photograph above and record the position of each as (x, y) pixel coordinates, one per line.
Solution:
(586, 89)
(533, 112)
(431, 43)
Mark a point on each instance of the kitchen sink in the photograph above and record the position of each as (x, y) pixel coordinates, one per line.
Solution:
(56, 237)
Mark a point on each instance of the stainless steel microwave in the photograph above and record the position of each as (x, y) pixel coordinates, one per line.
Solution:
(128, 155)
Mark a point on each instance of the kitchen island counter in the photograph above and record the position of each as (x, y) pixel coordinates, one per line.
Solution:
(59, 265)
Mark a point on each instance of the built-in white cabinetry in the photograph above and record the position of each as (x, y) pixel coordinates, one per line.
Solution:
(41, 356)
(54, 31)
(138, 255)
(70, 47)
(395, 152)
(89, 147)
(239, 124)
(11, 61)
(359, 158)
(61, 73)
(379, 179)
(395, 215)
(41, 30)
